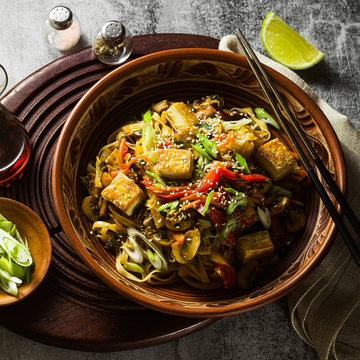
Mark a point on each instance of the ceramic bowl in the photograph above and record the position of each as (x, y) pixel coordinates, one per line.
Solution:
(180, 75)
(31, 228)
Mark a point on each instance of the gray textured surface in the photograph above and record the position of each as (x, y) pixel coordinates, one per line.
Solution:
(334, 26)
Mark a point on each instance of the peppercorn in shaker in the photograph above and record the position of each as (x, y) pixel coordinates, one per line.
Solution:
(113, 43)
(61, 28)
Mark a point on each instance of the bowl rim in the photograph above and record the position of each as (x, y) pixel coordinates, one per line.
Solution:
(45, 235)
(200, 54)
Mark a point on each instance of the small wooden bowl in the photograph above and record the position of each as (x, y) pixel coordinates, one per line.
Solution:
(31, 227)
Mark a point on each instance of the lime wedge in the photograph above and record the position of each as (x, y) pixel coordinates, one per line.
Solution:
(286, 46)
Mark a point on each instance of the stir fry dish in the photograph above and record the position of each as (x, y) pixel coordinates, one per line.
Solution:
(198, 192)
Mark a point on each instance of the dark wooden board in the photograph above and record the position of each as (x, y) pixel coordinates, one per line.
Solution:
(72, 308)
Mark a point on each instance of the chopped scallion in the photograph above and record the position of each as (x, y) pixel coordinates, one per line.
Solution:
(154, 259)
(229, 227)
(147, 116)
(209, 146)
(133, 267)
(207, 202)
(156, 177)
(172, 205)
(265, 217)
(266, 118)
(201, 151)
(240, 199)
(242, 162)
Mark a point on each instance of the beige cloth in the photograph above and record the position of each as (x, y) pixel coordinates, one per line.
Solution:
(325, 308)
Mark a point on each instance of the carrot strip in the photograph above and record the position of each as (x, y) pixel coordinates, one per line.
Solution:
(192, 204)
(230, 138)
(135, 159)
(122, 150)
(178, 238)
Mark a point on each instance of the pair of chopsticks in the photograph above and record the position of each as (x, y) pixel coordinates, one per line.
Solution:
(261, 75)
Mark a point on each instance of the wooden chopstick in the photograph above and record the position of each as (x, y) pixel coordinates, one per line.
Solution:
(348, 212)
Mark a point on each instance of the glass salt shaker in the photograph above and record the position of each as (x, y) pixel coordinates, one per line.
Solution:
(113, 43)
(62, 28)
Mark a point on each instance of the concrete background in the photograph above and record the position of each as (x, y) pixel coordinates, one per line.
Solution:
(333, 26)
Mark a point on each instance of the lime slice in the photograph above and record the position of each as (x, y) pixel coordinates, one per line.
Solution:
(286, 46)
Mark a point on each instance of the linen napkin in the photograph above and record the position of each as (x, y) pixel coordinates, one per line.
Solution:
(325, 308)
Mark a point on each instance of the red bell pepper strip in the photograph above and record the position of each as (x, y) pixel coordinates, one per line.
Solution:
(210, 181)
(146, 183)
(227, 273)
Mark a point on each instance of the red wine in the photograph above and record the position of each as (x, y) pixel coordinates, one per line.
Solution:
(14, 147)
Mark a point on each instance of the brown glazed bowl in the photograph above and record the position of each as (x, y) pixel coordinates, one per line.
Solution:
(31, 228)
(180, 75)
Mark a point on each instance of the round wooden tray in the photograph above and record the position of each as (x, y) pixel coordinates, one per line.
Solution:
(72, 308)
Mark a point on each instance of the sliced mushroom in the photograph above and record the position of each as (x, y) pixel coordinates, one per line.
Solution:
(186, 251)
(89, 182)
(178, 221)
(191, 244)
(280, 205)
(90, 208)
(297, 219)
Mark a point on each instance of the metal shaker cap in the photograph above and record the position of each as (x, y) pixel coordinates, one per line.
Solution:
(113, 32)
(60, 17)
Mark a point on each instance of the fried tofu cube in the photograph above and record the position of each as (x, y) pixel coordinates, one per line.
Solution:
(124, 193)
(180, 116)
(275, 158)
(174, 163)
(254, 246)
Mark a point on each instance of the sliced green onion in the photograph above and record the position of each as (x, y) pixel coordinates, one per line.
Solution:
(232, 191)
(209, 146)
(132, 232)
(201, 151)
(18, 252)
(148, 136)
(238, 200)
(207, 202)
(202, 161)
(9, 286)
(266, 118)
(156, 177)
(229, 227)
(133, 267)
(4, 274)
(172, 205)
(232, 125)
(279, 191)
(265, 217)
(18, 270)
(242, 162)
(147, 116)
(15, 257)
(148, 132)
(133, 250)
(154, 259)
(7, 226)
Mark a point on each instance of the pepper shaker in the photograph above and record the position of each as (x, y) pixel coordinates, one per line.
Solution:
(113, 43)
(61, 28)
